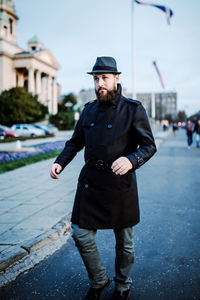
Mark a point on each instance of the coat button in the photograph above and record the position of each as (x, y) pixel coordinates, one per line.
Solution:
(92, 124)
(86, 186)
(109, 126)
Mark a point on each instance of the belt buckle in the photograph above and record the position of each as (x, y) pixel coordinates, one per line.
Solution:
(99, 164)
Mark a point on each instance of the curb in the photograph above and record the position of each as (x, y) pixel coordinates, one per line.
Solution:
(34, 251)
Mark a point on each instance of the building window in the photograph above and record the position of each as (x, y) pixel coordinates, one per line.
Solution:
(5, 30)
(11, 26)
(33, 48)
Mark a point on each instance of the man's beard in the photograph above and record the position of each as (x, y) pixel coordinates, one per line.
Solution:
(108, 97)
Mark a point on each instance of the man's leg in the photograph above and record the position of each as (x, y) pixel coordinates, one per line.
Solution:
(124, 258)
(85, 242)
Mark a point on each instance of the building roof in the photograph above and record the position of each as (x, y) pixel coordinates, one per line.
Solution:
(4, 16)
(8, 6)
(34, 40)
(43, 55)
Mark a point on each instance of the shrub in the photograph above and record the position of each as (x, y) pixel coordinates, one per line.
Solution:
(19, 106)
(63, 120)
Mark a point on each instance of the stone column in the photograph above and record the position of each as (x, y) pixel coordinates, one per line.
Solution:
(43, 90)
(49, 94)
(38, 85)
(31, 88)
(20, 80)
(54, 97)
(15, 78)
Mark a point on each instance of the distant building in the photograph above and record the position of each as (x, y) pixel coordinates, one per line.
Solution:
(85, 96)
(34, 69)
(159, 105)
(195, 117)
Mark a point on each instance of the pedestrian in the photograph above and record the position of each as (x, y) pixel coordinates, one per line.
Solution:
(117, 138)
(174, 128)
(189, 132)
(197, 131)
(165, 127)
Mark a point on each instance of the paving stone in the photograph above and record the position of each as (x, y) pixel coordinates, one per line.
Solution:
(5, 227)
(47, 217)
(6, 205)
(19, 235)
(2, 248)
(22, 197)
(19, 213)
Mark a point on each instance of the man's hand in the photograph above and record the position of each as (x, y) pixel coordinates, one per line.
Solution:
(121, 166)
(55, 169)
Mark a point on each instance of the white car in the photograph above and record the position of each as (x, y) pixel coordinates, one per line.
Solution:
(27, 130)
(45, 129)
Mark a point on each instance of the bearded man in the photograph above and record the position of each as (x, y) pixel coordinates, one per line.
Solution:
(118, 139)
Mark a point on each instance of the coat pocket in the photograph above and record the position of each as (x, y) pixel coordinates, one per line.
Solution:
(126, 181)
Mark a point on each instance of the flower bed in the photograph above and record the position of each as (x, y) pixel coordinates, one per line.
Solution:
(24, 138)
(44, 148)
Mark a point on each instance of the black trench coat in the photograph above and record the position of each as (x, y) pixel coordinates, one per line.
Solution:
(103, 199)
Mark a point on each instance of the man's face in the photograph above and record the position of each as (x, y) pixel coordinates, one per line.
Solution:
(105, 86)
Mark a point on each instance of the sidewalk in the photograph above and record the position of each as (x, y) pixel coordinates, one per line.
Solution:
(35, 212)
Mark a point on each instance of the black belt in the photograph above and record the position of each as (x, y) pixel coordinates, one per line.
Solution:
(98, 164)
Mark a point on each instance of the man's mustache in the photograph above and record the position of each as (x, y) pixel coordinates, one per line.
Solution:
(101, 89)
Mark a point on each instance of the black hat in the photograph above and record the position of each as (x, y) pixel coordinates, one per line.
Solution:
(105, 64)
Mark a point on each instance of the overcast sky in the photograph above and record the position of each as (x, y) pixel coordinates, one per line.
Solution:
(77, 31)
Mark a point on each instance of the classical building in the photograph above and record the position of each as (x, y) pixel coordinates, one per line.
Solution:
(34, 69)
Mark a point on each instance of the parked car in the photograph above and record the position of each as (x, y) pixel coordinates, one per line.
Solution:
(27, 130)
(2, 134)
(8, 132)
(44, 128)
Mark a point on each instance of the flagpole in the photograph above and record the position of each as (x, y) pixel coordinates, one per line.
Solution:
(153, 104)
(133, 52)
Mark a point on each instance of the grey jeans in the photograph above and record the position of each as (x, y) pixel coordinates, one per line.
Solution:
(85, 242)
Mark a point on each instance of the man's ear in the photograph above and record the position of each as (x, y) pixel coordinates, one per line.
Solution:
(117, 77)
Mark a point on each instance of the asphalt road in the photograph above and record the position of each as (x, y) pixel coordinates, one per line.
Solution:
(167, 240)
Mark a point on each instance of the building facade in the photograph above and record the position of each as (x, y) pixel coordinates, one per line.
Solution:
(34, 69)
(159, 106)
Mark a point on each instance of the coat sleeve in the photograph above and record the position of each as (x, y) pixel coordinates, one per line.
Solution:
(146, 144)
(72, 146)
